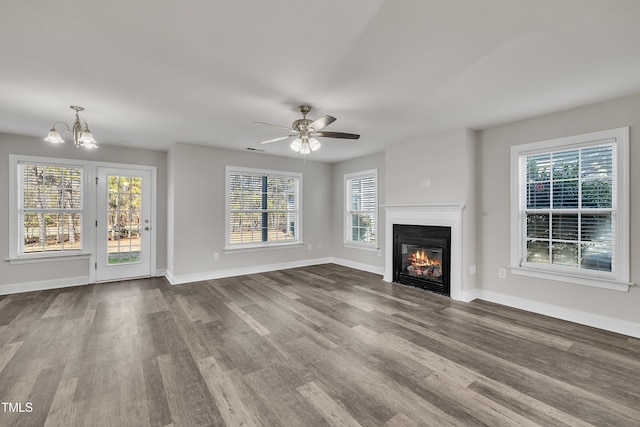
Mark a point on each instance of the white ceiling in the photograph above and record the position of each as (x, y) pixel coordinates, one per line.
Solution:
(154, 73)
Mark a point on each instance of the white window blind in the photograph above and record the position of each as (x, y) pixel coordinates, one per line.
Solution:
(570, 209)
(361, 191)
(50, 208)
(262, 207)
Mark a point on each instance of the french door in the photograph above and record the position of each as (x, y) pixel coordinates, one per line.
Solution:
(123, 223)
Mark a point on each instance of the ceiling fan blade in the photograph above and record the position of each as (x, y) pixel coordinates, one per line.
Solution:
(337, 135)
(273, 126)
(276, 139)
(322, 122)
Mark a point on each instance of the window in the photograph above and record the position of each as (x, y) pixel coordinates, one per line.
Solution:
(263, 208)
(570, 216)
(361, 216)
(50, 208)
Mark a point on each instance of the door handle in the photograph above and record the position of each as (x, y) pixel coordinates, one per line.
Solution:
(146, 228)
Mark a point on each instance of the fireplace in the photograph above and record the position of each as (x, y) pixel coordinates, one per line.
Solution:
(443, 215)
(422, 257)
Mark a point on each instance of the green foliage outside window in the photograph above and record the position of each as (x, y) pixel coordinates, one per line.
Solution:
(568, 208)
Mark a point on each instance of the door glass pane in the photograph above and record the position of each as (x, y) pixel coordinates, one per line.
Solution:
(124, 219)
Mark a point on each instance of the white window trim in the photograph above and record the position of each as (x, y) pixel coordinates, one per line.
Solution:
(616, 281)
(251, 247)
(88, 212)
(347, 213)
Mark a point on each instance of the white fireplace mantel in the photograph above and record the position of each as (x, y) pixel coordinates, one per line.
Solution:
(443, 215)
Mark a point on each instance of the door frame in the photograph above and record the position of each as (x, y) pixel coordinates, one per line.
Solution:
(92, 213)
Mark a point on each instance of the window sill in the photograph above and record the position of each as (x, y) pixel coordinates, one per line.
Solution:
(47, 258)
(259, 248)
(569, 278)
(370, 248)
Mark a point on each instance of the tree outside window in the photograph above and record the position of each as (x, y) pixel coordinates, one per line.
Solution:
(50, 208)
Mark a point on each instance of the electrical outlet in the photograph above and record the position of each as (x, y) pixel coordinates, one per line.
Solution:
(379, 252)
(309, 247)
(216, 256)
(472, 270)
(502, 273)
(319, 245)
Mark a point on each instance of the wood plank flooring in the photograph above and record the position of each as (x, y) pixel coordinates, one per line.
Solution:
(315, 346)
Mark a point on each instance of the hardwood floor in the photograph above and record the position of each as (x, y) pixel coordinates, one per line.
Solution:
(315, 346)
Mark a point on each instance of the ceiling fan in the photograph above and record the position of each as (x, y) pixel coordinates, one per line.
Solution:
(305, 131)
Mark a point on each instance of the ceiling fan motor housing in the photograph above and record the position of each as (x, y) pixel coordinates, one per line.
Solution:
(304, 109)
(301, 125)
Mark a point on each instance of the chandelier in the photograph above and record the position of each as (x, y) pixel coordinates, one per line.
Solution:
(82, 136)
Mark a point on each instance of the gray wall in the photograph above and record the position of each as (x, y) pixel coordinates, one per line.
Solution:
(170, 210)
(464, 167)
(448, 160)
(198, 210)
(338, 250)
(494, 240)
(14, 144)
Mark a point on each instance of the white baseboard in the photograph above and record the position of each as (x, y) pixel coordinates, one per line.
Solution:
(468, 296)
(180, 279)
(220, 274)
(577, 316)
(358, 266)
(169, 276)
(43, 285)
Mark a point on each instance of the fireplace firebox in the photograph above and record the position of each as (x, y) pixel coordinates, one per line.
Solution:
(422, 257)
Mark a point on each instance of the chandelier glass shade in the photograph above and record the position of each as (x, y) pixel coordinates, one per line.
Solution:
(54, 136)
(82, 136)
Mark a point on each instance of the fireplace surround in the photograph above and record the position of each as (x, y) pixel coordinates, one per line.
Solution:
(439, 215)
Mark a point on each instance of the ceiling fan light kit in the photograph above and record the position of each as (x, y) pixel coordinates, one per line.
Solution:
(82, 136)
(305, 145)
(306, 131)
(314, 144)
(296, 145)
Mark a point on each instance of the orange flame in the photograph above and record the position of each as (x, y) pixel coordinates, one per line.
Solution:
(421, 259)
(422, 265)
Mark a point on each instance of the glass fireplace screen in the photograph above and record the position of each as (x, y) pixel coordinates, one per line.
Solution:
(424, 263)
